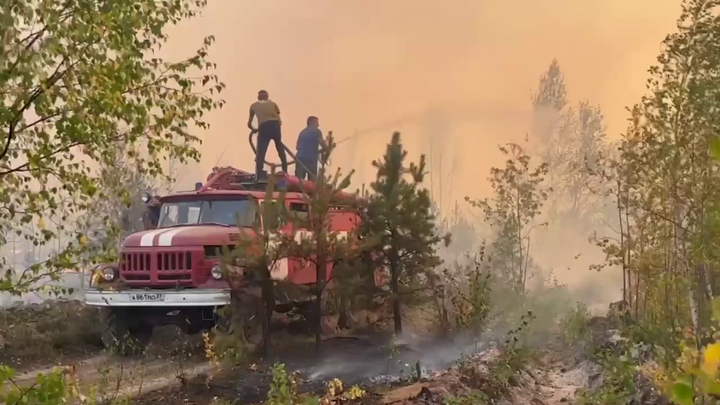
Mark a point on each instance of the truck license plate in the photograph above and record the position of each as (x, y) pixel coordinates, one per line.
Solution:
(147, 297)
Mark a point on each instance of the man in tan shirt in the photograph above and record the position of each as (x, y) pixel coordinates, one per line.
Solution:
(268, 116)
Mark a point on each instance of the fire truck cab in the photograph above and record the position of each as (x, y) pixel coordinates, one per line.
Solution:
(171, 272)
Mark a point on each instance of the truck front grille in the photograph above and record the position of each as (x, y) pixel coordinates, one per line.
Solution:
(174, 261)
(168, 267)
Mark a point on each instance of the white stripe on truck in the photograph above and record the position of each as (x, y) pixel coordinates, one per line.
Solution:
(167, 237)
(149, 237)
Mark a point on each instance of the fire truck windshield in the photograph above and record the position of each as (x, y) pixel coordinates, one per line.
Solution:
(224, 212)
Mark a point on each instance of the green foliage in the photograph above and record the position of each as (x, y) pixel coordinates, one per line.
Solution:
(48, 389)
(515, 351)
(574, 325)
(283, 389)
(496, 380)
(666, 182)
(472, 308)
(463, 296)
(517, 200)
(321, 245)
(79, 78)
(697, 374)
(249, 266)
(398, 216)
(472, 398)
(618, 381)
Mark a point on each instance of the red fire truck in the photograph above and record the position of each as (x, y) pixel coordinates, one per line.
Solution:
(171, 273)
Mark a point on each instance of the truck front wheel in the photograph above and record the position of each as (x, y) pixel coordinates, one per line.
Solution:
(242, 319)
(125, 333)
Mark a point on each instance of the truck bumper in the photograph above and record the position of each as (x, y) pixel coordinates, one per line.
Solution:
(157, 298)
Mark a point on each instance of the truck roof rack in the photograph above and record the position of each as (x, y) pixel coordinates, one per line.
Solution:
(230, 178)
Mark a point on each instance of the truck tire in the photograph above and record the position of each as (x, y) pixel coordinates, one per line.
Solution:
(124, 334)
(244, 312)
(308, 311)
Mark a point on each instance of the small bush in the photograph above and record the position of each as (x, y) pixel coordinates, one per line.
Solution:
(472, 398)
(283, 389)
(575, 326)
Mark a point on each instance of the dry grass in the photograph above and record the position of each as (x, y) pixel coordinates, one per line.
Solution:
(48, 332)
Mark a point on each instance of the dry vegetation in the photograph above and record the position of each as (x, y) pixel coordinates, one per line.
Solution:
(48, 333)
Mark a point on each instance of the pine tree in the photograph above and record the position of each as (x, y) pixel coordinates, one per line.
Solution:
(320, 245)
(398, 217)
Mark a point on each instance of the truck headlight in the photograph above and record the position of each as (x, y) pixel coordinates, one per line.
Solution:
(216, 272)
(145, 197)
(108, 274)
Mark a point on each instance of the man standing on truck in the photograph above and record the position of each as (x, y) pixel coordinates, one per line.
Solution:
(268, 115)
(308, 147)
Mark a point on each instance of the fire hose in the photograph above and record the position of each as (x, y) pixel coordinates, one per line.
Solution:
(274, 166)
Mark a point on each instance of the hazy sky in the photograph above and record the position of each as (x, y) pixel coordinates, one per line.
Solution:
(357, 64)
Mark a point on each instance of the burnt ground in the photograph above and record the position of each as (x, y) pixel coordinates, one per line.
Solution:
(369, 360)
(554, 374)
(365, 360)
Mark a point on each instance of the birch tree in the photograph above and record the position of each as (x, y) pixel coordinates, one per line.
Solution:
(518, 195)
(77, 78)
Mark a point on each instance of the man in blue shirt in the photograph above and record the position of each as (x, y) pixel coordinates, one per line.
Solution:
(308, 149)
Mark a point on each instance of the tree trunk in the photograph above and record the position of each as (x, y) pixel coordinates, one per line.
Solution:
(343, 315)
(521, 275)
(268, 299)
(395, 287)
(319, 287)
(622, 244)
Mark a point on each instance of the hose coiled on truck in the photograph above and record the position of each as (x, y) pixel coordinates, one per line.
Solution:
(272, 165)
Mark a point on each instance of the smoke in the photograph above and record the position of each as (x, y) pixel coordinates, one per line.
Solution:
(358, 64)
(383, 361)
(451, 76)
(454, 77)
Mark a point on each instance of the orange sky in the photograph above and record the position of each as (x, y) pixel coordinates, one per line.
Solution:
(356, 64)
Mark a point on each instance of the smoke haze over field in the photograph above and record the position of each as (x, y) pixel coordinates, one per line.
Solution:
(359, 64)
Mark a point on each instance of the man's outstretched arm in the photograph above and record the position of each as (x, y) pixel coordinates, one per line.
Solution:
(250, 119)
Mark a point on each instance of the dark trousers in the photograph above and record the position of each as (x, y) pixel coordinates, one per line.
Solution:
(311, 165)
(269, 131)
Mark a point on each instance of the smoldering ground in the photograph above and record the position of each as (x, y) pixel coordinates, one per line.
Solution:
(369, 360)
